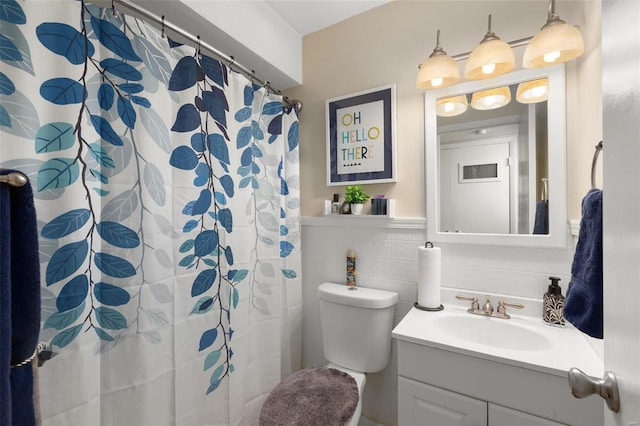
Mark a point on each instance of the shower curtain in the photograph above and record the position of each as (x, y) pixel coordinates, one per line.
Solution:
(167, 197)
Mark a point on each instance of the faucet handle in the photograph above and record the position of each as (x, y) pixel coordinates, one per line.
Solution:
(502, 304)
(474, 302)
(502, 308)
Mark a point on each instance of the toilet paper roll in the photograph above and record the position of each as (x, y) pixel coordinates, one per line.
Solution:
(429, 277)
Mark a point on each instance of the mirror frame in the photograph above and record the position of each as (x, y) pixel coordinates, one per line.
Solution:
(556, 123)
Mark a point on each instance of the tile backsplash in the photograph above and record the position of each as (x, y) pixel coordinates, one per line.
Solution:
(386, 258)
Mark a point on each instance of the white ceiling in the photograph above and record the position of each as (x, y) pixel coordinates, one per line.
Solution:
(265, 35)
(307, 16)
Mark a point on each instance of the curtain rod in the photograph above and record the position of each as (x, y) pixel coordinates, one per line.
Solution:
(251, 74)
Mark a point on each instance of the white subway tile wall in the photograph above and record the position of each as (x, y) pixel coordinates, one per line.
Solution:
(386, 258)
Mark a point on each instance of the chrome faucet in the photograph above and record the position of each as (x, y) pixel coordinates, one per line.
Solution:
(487, 308)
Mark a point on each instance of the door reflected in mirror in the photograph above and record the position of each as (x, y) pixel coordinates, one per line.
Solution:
(496, 160)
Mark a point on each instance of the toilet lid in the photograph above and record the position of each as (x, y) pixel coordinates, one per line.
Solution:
(314, 396)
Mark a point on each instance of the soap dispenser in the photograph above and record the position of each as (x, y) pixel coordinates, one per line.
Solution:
(553, 303)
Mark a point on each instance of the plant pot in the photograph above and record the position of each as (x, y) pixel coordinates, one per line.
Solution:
(356, 208)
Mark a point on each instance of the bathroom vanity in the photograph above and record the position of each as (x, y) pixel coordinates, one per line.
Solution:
(456, 368)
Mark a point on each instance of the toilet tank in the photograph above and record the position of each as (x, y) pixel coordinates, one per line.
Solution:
(356, 326)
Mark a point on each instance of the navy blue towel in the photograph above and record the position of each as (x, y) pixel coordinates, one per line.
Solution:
(541, 224)
(19, 302)
(583, 305)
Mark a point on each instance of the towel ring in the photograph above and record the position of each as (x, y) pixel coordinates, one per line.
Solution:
(14, 179)
(545, 189)
(594, 162)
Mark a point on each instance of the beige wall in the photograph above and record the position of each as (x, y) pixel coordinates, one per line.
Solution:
(386, 44)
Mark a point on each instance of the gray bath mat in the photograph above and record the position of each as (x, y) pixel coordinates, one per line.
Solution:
(315, 396)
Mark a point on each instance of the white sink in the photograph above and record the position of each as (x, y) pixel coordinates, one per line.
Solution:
(522, 341)
(493, 332)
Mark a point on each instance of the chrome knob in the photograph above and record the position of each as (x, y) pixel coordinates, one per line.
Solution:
(583, 385)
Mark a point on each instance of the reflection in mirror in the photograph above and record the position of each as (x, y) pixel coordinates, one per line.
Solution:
(496, 160)
(493, 164)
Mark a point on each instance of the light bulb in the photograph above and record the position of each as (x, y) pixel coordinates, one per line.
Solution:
(439, 70)
(533, 91)
(551, 56)
(538, 92)
(450, 107)
(489, 100)
(488, 68)
(493, 101)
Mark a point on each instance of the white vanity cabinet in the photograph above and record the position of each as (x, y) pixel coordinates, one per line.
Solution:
(440, 387)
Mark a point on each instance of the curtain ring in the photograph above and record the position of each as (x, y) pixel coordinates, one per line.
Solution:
(162, 26)
(232, 61)
(252, 77)
(199, 52)
(267, 86)
(286, 104)
(113, 9)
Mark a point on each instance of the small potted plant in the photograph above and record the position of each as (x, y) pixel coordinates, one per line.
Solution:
(356, 197)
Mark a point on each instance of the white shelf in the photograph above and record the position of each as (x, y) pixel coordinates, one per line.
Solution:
(365, 221)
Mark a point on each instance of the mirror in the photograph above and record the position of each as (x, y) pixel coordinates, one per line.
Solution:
(497, 175)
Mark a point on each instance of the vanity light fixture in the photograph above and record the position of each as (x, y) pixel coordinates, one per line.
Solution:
(439, 70)
(492, 57)
(556, 42)
(491, 98)
(531, 92)
(450, 107)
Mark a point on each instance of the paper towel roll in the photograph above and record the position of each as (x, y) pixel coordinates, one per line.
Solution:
(429, 277)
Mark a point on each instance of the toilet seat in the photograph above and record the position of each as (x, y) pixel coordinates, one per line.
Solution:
(361, 380)
(315, 396)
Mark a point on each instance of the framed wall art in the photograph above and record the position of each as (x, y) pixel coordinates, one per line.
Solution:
(361, 137)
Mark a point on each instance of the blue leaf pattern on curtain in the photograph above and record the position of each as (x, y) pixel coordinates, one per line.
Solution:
(167, 192)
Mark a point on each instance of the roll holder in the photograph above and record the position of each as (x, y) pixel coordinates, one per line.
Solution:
(416, 305)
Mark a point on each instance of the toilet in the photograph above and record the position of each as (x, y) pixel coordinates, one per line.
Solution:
(356, 335)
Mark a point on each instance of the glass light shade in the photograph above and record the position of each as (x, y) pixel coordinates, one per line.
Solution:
(491, 98)
(531, 92)
(450, 107)
(438, 71)
(489, 59)
(556, 42)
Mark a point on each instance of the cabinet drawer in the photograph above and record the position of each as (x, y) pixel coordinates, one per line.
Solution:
(503, 416)
(420, 404)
